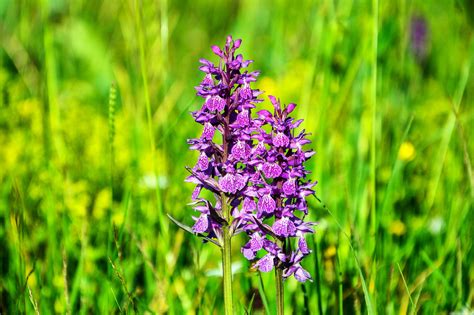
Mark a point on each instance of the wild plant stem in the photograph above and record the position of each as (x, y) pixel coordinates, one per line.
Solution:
(318, 276)
(226, 233)
(227, 261)
(280, 293)
(373, 140)
(149, 116)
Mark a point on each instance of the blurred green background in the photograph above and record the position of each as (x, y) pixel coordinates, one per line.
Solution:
(94, 115)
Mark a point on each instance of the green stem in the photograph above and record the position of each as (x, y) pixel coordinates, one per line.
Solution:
(227, 261)
(280, 289)
(280, 294)
(318, 276)
(149, 116)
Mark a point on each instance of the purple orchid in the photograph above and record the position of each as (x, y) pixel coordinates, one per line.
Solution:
(419, 33)
(254, 166)
(280, 187)
(225, 145)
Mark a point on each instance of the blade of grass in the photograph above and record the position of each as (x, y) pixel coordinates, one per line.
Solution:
(405, 284)
(467, 158)
(373, 141)
(263, 296)
(248, 310)
(448, 128)
(116, 301)
(373, 101)
(417, 298)
(33, 301)
(318, 275)
(306, 294)
(151, 135)
(437, 272)
(368, 300)
(65, 280)
(80, 274)
(340, 295)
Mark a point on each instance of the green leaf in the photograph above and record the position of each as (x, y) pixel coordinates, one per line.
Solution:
(190, 230)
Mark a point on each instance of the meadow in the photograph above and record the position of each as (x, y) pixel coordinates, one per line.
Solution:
(94, 115)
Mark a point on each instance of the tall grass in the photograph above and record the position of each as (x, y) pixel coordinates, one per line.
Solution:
(86, 177)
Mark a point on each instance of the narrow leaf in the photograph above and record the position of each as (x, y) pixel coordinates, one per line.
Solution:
(190, 230)
(263, 296)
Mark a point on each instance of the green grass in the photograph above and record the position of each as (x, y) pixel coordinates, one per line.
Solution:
(94, 103)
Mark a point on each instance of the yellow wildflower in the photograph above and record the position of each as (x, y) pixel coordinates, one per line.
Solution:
(406, 152)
